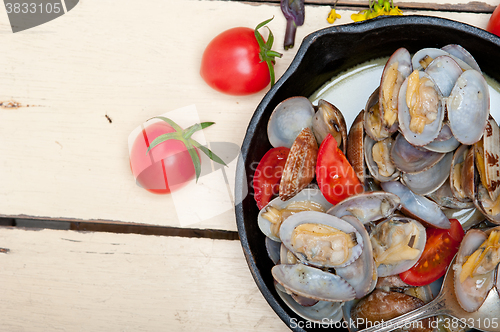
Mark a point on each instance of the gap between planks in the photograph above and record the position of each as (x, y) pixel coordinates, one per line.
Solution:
(118, 227)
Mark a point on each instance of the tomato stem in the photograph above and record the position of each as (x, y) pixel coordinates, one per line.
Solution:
(266, 54)
(191, 145)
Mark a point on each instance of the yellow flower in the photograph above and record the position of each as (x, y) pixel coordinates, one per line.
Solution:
(332, 16)
(395, 11)
(361, 16)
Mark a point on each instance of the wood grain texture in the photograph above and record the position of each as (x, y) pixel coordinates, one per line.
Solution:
(127, 61)
(72, 281)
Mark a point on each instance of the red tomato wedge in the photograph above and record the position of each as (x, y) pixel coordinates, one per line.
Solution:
(336, 177)
(268, 175)
(440, 248)
(494, 22)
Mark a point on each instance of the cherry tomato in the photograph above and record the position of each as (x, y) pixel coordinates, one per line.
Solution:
(165, 168)
(268, 175)
(494, 22)
(239, 61)
(335, 176)
(440, 248)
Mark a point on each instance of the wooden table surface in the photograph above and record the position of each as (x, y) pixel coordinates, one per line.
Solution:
(64, 161)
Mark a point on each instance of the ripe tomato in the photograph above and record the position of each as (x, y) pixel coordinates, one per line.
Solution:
(239, 62)
(494, 22)
(165, 168)
(440, 248)
(268, 175)
(335, 176)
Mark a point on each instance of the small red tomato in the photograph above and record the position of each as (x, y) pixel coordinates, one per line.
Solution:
(494, 22)
(165, 168)
(239, 62)
(268, 175)
(440, 248)
(336, 177)
(164, 157)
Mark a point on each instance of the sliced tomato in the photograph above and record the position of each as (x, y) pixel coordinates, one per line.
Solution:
(268, 175)
(440, 248)
(336, 177)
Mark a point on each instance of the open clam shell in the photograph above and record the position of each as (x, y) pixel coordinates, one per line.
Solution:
(410, 159)
(367, 207)
(362, 272)
(329, 120)
(468, 107)
(397, 68)
(372, 120)
(430, 180)
(378, 159)
(420, 109)
(313, 283)
(418, 207)
(472, 291)
(331, 311)
(312, 195)
(397, 245)
(444, 71)
(354, 151)
(288, 119)
(459, 174)
(424, 56)
(461, 53)
(321, 240)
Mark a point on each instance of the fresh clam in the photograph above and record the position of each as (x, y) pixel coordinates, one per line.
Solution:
(321, 240)
(468, 107)
(288, 119)
(300, 165)
(329, 120)
(410, 159)
(373, 122)
(420, 109)
(397, 245)
(397, 68)
(416, 206)
(354, 152)
(476, 267)
(378, 159)
(272, 215)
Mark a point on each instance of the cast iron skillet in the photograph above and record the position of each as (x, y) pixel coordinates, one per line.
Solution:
(322, 55)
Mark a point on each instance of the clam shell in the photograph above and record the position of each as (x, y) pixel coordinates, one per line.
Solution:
(313, 283)
(459, 156)
(300, 165)
(307, 194)
(367, 207)
(372, 120)
(385, 270)
(431, 130)
(462, 54)
(404, 67)
(444, 71)
(472, 292)
(329, 120)
(430, 180)
(288, 119)
(491, 145)
(360, 274)
(434, 53)
(354, 151)
(313, 217)
(418, 207)
(372, 165)
(468, 107)
(273, 250)
(410, 159)
(331, 311)
(445, 198)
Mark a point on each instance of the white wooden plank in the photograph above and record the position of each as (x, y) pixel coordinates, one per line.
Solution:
(61, 158)
(71, 281)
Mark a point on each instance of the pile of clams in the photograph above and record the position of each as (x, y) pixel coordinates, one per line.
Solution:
(424, 147)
